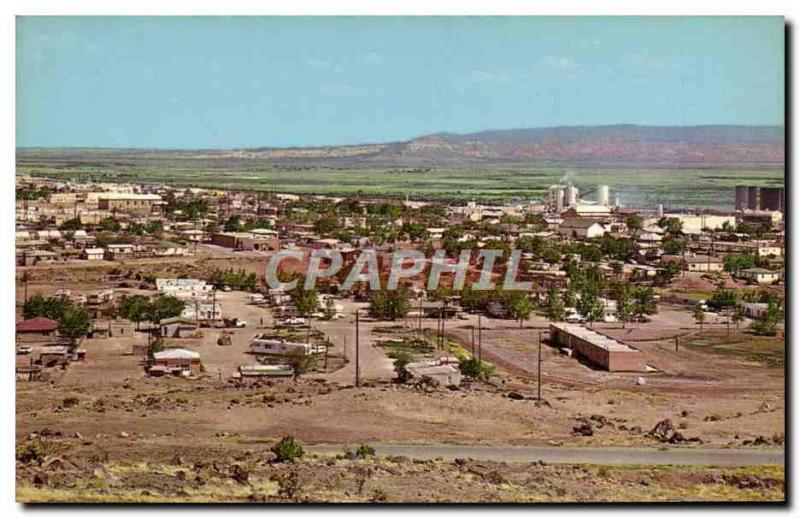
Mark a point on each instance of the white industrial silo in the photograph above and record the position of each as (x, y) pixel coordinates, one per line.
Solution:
(571, 195)
(602, 195)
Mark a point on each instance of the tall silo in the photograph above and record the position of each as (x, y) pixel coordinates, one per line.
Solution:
(571, 197)
(603, 195)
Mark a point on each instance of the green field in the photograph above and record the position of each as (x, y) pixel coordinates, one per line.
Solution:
(642, 187)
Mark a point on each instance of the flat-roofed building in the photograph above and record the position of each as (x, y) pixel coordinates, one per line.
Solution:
(597, 348)
(126, 202)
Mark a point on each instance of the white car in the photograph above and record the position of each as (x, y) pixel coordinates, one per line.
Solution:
(24, 349)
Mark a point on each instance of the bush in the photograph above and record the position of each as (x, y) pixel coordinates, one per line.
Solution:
(287, 449)
(364, 451)
(474, 368)
(69, 402)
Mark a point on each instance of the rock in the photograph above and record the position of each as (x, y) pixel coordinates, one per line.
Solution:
(585, 430)
(662, 430)
(515, 396)
(239, 474)
(640, 380)
(124, 435)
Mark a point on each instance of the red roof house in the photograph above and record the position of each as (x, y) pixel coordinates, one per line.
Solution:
(37, 326)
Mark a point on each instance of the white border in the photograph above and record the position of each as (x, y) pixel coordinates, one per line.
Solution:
(790, 9)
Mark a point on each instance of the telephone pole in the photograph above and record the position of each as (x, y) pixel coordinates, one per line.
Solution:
(539, 372)
(358, 371)
(480, 337)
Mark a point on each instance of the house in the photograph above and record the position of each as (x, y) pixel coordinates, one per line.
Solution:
(582, 228)
(34, 257)
(760, 275)
(755, 309)
(258, 241)
(176, 361)
(93, 254)
(695, 263)
(37, 329)
(178, 327)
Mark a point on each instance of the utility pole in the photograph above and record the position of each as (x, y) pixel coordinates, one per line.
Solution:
(443, 317)
(539, 372)
(420, 317)
(358, 373)
(472, 341)
(480, 337)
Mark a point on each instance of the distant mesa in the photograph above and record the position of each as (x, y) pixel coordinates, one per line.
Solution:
(691, 146)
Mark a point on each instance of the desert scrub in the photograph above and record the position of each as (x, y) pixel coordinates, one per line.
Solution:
(287, 449)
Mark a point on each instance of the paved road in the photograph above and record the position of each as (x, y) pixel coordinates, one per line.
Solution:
(576, 455)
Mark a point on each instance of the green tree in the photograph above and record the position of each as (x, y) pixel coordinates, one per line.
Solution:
(300, 362)
(389, 304)
(555, 307)
(624, 304)
(699, 316)
(134, 308)
(635, 224)
(306, 302)
(521, 308)
(74, 324)
(163, 307)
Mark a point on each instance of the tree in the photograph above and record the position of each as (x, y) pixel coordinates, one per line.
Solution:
(300, 362)
(672, 226)
(110, 225)
(162, 307)
(50, 307)
(624, 304)
(635, 224)
(555, 307)
(73, 324)
(735, 263)
(389, 304)
(520, 306)
(699, 316)
(134, 308)
(644, 302)
(674, 246)
(305, 301)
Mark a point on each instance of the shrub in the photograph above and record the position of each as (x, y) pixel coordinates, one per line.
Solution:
(364, 451)
(474, 368)
(287, 449)
(69, 402)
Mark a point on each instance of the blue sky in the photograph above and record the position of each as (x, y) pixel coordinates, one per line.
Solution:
(248, 82)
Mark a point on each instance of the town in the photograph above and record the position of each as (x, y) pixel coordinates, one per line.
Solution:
(147, 311)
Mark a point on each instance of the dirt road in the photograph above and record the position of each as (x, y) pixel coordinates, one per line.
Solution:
(577, 455)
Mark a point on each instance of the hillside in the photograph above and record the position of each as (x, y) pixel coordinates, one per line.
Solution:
(694, 146)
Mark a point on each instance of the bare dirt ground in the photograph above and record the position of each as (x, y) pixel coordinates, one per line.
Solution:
(107, 407)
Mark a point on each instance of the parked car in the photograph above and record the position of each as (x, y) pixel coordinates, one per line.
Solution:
(24, 349)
